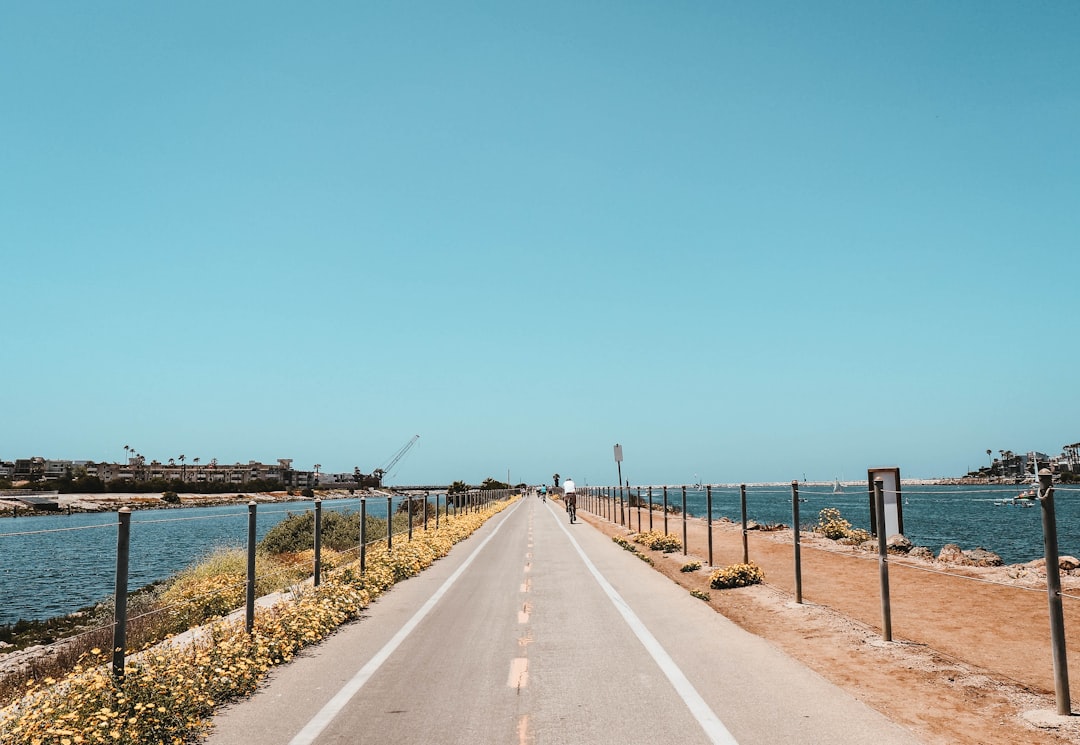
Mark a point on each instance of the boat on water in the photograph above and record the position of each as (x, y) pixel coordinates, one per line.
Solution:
(1025, 498)
(837, 487)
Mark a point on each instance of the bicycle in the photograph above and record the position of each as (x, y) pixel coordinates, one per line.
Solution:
(571, 509)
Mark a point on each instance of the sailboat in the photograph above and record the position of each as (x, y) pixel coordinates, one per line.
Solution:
(837, 487)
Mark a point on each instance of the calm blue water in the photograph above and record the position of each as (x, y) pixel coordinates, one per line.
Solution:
(73, 565)
(933, 515)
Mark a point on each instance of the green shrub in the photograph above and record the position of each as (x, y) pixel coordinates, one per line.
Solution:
(701, 595)
(690, 566)
(340, 531)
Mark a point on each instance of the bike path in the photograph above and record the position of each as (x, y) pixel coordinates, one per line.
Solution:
(537, 631)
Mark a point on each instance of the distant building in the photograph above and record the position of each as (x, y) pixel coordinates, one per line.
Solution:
(138, 469)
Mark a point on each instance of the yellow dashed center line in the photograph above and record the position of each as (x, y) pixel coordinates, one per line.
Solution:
(519, 673)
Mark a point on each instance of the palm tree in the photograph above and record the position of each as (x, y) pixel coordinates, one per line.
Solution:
(990, 473)
(183, 468)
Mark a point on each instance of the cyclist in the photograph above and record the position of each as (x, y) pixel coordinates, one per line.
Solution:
(570, 492)
(543, 493)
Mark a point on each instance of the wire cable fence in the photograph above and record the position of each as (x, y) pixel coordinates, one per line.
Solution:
(229, 567)
(942, 517)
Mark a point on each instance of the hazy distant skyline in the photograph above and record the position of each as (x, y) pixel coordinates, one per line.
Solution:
(746, 241)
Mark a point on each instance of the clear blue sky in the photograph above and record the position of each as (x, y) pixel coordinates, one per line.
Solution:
(748, 241)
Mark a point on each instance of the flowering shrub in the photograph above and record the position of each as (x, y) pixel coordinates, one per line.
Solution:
(700, 595)
(658, 541)
(736, 575)
(627, 545)
(690, 566)
(168, 692)
(832, 525)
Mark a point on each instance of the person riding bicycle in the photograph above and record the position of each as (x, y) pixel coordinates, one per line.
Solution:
(570, 493)
(543, 492)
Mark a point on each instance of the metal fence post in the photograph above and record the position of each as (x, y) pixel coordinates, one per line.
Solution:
(1053, 591)
(410, 507)
(436, 510)
(684, 520)
(745, 547)
(883, 561)
(123, 546)
(798, 548)
(708, 521)
(318, 542)
(650, 509)
(427, 501)
(249, 605)
(665, 511)
(389, 524)
(363, 535)
(639, 509)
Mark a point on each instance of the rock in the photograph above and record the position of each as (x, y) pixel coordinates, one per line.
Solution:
(750, 525)
(982, 557)
(1065, 563)
(950, 553)
(921, 552)
(898, 544)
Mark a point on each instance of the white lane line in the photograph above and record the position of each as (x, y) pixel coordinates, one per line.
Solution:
(702, 712)
(333, 707)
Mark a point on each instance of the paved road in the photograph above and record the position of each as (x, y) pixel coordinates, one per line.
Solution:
(535, 631)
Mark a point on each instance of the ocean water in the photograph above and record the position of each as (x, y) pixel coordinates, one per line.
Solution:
(56, 564)
(933, 515)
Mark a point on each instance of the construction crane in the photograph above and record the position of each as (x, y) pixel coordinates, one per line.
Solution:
(374, 479)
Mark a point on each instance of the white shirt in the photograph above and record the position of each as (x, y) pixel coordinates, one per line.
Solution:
(568, 487)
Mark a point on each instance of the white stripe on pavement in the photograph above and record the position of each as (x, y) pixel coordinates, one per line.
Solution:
(333, 707)
(714, 728)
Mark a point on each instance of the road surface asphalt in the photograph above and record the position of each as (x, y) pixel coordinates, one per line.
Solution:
(537, 632)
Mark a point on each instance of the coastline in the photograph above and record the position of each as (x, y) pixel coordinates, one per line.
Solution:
(74, 503)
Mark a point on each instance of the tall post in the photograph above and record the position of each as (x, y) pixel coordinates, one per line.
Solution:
(618, 462)
(665, 511)
(427, 498)
(708, 520)
(650, 509)
(318, 542)
(249, 605)
(639, 509)
(410, 508)
(1053, 591)
(389, 524)
(684, 520)
(436, 510)
(745, 546)
(123, 546)
(798, 548)
(883, 561)
(363, 535)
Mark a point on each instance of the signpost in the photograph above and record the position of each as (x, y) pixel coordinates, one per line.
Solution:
(618, 461)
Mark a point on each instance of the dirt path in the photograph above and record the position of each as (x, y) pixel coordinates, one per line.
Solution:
(970, 660)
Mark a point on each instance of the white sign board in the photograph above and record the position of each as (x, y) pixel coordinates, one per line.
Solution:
(890, 490)
(618, 453)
